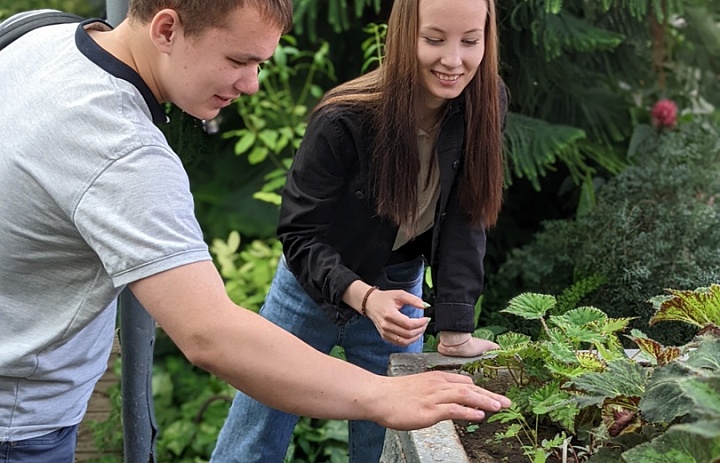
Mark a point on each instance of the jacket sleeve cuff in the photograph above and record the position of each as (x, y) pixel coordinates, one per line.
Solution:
(454, 317)
(336, 283)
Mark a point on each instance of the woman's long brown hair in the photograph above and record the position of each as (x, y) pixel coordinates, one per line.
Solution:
(389, 93)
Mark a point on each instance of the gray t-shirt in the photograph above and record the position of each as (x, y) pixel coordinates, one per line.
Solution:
(91, 199)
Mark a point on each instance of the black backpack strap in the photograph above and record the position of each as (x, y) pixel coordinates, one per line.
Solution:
(20, 23)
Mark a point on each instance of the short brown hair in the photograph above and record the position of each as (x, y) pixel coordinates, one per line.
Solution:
(200, 15)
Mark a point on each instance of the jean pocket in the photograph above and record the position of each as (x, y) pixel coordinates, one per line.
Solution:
(403, 275)
(49, 440)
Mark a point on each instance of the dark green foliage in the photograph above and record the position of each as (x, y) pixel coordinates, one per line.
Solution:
(338, 14)
(655, 226)
(84, 8)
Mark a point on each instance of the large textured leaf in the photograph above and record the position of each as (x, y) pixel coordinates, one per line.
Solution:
(664, 399)
(661, 354)
(622, 378)
(580, 316)
(587, 333)
(552, 401)
(530, 306)
(558, 347)
(683, 387)
(699, 307)
(705, 359)
(704, 428)
(705, 393)
(675, 447)
(512, 340)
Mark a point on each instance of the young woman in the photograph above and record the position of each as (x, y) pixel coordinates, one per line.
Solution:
(400, 167)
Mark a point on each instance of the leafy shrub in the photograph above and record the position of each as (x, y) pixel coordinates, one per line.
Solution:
(655, 226)
(247, 273)
(661, 405)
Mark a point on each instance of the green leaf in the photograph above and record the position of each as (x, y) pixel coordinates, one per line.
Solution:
(513, 340)
(681, 387)
(558, 347)
(705, 393)
(272, 198)
(709, 429)
(247, 139)
(705, 358)
(622, 378)
(258, 155)
(531, 306)
(580, 316)
(664, 399)
(269, 137)
(233, 242)
(675, 447)
(699, 307)
(482, 333)
(642, 134)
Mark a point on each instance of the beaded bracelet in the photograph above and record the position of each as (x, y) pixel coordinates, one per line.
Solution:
(364, 301)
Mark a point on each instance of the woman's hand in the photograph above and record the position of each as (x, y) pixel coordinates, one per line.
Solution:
(455, 344)
(383, 309)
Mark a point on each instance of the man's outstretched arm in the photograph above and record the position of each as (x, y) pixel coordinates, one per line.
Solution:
(278, 369)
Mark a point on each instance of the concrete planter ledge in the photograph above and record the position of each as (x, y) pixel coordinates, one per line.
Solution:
(439, 443)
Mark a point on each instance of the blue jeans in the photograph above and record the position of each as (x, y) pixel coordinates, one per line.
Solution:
(254, 433)
(55, 447)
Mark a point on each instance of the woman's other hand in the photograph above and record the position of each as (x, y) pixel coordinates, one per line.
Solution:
(455, 344)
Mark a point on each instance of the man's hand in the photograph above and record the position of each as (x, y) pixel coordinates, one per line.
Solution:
(423, 399)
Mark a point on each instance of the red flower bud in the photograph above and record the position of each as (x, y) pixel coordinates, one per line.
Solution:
(664, 114)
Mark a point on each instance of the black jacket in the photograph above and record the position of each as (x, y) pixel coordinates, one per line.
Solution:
(331, 233)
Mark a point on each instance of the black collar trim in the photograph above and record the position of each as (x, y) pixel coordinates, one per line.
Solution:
(117, 68)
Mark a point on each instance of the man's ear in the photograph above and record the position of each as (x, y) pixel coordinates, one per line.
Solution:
(165, 28)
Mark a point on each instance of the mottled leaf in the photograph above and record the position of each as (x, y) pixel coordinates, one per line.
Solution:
(620, 415)
(698, 307)
(661, 354)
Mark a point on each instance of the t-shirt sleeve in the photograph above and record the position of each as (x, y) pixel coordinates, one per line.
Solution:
(138, 216)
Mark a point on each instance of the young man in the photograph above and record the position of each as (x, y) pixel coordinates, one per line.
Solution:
(94, 199)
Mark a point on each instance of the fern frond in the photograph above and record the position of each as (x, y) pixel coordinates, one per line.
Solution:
(565, 32)
(533, 146)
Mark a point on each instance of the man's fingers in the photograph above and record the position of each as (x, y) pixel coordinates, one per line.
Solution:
(478, 396)
(424, 399)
